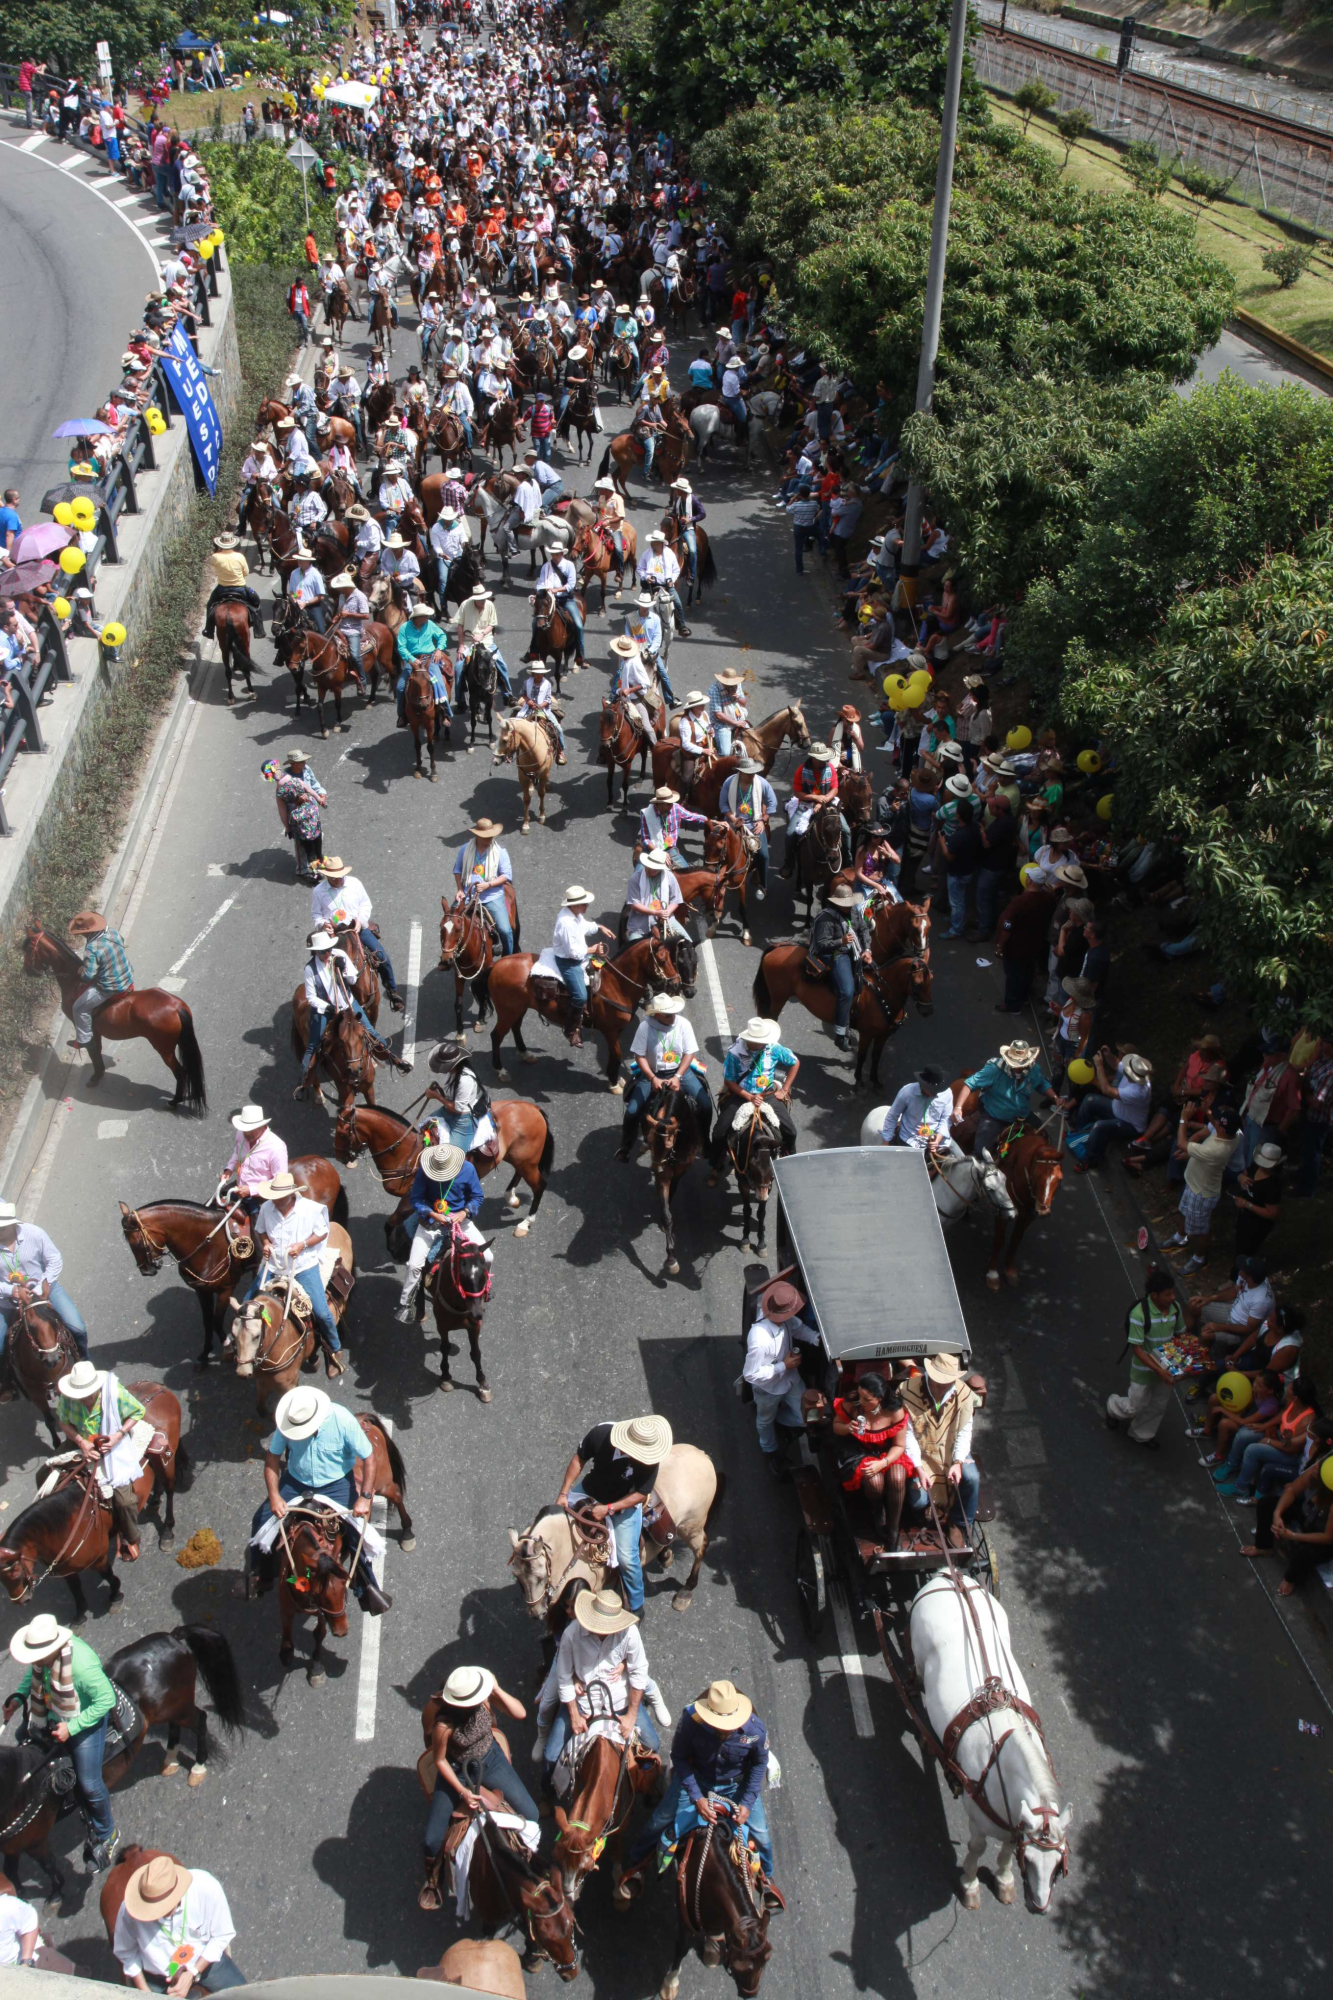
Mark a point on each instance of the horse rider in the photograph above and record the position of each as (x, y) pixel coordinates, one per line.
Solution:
(464, 1118)
(482, 869)
(942, 1405)
(419, 637)
(291, 1231)
(475, 622)
(257, 1157)
(339, 898)
(600, 1673)
(106, 970)
(398, 564)
(728, 710)
(395, 493)
(305, 589)
(340, 459)
(719, 1760)
(921, 1114)
(748, 801)
(569, 948)
(660, 823)
(644, 626)
(665, 1052)
(317, 1452)
(814, 783)
(660, 570)
(30, 1267)
(1001, 1092)
(232, 586)
(631, 682)
(758, 1069)
(559, 575)
(611, 1477)
(846, 741)
(840, 947)
(353, 609)
(449, 541)
(625, 327)
(537, 700)
(696, 737)
(259, 468)
(467, 1754)
(526, 505)
(369, 537)
(295, 448)
(653, 897)
(646, 421)
(68, 1700)
(576, 377)
(109, 1428)
(330, 989)
(455, 399)
(548, 479)
(444, 1189)
(302, 406)
(308, 510)
(345, 392)
(610, 515)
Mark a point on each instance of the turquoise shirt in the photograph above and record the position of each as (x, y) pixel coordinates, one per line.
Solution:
(1003, 1094)
(328, 1454)
(418, 636)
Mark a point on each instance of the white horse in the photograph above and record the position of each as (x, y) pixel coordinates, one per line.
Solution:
(547, 532)
(706, 422)
(1003, 1751)
(962, 1181)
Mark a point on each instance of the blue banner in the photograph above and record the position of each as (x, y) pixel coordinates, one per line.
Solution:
(196, 402)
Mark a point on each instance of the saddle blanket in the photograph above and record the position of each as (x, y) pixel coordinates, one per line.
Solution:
(799, 813)
(528, 1831)
(745, 1116)
(267, 1532)
(546, 967)
(140, 1437)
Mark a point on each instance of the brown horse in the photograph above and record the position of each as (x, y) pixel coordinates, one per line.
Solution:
(337, 307)
(366, 989)
(897, 930)
(529, 746)
(381, 322)
(697, 570)
(726, 870)
(467, 947)
(332, 665)
(501, 431)
(620, 739)
(1033, 1171)
(425, 717)
(395, 1146)
(718, 1907)
(157, 1017)
(231, 624)
(346, 1057)
(597, 554)
(212, 1243)
(273, 1340)
(313, 1578)
(672, 1125)
(610, 1775)
(762, 741)
(878, 1010)
(504, 1888)
(458, 1286)
(71, 1529)
(556, 637)
(819, 856)
(647, 965)
(41, 1349)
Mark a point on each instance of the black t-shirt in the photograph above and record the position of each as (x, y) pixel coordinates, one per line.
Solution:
(1001, 838)
(1253, 1231)
(609, 1475)
(962, 848)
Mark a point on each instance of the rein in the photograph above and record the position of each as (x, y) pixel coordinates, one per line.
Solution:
(84, 1475)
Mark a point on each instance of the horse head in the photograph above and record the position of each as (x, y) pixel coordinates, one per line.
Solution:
(1045, 1173)
(532, 1558)
(550, 1925)
(43, 953)
(323, 1586)
(347, 1141)
(147, 1254)
(247, 1332)
(798, 726)
(991, 1181)
(18, 1573)
(683, 956)
(1043, 1851)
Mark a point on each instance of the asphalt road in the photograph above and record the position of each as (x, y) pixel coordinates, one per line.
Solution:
(71, 287)
(1169, 1692)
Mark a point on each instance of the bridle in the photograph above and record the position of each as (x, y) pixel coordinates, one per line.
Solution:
(156, 1253)
(84, 1476)
(750, 1926)
(474, 939)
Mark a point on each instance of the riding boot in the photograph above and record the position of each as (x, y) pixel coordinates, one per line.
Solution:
(373, 1601)
(572, 1026)
(396, 1000)
(629, 1127)
(428, 1895)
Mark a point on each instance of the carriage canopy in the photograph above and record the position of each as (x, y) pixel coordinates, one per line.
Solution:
(863, 1227)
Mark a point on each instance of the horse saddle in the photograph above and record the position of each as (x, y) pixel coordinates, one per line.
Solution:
(745, 1117)
(658, 1524)
(549, 727)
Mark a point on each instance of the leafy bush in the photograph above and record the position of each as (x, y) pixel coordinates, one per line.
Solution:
(1034, 97)
(1072, 126)
(1145, 169)
(257, 198)
(66, 38)
(1288, 263)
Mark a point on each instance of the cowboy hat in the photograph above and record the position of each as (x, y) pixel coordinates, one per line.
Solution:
(447, 514)
(343, 581)
(8, 1213)
(441, 1163)
(83, 1382)
(722, 1706)
(781, 1301)
(665, 796)
(958, 787)
(1137, 1068)
(294, 757)
(645, 600)
(1072, 876)
(974, 680)
(479, 593)
(259, 444)
(226, 541)
(250, 1118)
(468, 1687)
(749, 767)
(665, 1003)
(1269, 1156)
(1000, 765)
(1059, 836)
(760, 1032)
(279, 1187)
(38, 1639)
(577, 352)
(395, 541)
(603, 485)
(654, 857)
(647, 1440)
(681, 486)
(931, 1077)
(322, 940)
(286, 423)
(949, 752)
(841, 897)
(943, 1367)
(657, 535)
(87, 924)
(301, 1412)
(603, 1612)
(421, 610)
(156, 1889)
(538, 667)
(1018, 1055)
(1082, 990)
(624, 647)
(576, 893)
(695, 700)
(356, 512)
(725, 678)
(486, 829)
(819, 753)
(302, 553)
(332, 864)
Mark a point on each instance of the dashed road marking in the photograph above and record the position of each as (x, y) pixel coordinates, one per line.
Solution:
(853, 1666)
(708, 960)
(368, 1673)
(211, 925)
(31, 145)
(413, 981)
(170, 985)
(129, 201)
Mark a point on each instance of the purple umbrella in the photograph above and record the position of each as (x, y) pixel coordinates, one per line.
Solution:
(25, 576)
(43, 539)
(83, 427)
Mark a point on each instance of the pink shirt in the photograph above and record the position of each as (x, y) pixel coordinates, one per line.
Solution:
(258, 1160)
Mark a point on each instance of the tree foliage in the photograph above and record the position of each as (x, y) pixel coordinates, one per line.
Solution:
(66, 38)
(1034, 97)
(1145, 169)
(1288, 263)
(1224, 733)
(257, 200)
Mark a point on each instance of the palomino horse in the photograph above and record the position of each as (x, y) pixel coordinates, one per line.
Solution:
(395, 1146)
(458, 1286)
(274, 1338)
(720, 1909)
(160, 1018)
(40, 1349)
(70, 1529)
(212, 1243)
(648, 965)
(346, 1057)
(620, 739)
(468, 947)
(672, 1125)
(559, 1551)
(1033, 1171)
(611, 1773)
(313, 1583)
(528, 744)
(596, 552)
(878, 1010)
(231, 624)
(425, 716)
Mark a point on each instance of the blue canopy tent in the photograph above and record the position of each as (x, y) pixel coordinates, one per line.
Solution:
(187, 43)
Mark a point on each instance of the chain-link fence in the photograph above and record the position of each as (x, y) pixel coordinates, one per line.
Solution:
(1285, 173)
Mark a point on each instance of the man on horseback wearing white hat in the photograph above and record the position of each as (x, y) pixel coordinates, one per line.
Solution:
(445, 1194)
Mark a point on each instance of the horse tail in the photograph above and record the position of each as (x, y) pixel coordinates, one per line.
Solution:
(548, 1152)
(606, 460)
(217, 1667)
(192, 1062)
(763, 1000)
(340, 1211)
(395, 1457)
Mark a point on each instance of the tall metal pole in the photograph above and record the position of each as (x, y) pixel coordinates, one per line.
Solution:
(305, 194)
(939, 247)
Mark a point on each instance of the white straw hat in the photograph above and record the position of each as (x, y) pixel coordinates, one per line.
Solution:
(249, 1118)
(646, 1439)
(301, 1412)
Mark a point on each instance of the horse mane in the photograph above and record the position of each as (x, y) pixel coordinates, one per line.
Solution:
(69, 957)
(17, 1763)
(46, 1511)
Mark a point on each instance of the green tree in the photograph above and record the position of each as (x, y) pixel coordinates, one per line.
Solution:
(1288, 263)
(1202, 185)
(66, 38)
(1035, 98)
(1222, 735)
(1145, 169)
(257, 199)
(1072, 126)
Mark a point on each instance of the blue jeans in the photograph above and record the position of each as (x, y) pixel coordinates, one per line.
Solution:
(318, 1022)
(1256, 1458)
(377, 955)
(313, 1286)
(86, 1753)
(559, 1734)
(69, 1312)
(627, 1526)
(1098, 1113)
(989, 883)
(962, 1507)
(958, 886)
(498, 911)
(770, 1405)
(801, 537)
(677, 1813)
(494, 1770)
(551, 495)
(572, 971)
(842, 978)
(303, 324)
(692, 1086)
(162, 187)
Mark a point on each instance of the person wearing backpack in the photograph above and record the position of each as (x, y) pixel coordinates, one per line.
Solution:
(1150, 1323)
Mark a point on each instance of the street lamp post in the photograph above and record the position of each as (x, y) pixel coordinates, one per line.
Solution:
(939, 247)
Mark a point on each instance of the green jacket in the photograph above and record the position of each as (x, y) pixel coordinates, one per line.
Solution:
(96, 1695)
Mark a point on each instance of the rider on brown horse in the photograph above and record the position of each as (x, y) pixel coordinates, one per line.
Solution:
(446, 1199)
(600, 1674)
(318, 1452)
(30, 1267)
(232, 586)
(330, 988)
(340, 898)
(840, 946)
(106, 968)
(760, 1070)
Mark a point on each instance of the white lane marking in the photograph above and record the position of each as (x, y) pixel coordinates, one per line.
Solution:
(367, 1679)
(708, 960)
(35, 1186)
(147, 222)
(413, 981)
(112, 1128)
(28, 147)
(170, 985)
(128, 201)
(853, 1666)
(217, 868)
(160, 242)
(211, 925)
(31, 145)
(69, 166)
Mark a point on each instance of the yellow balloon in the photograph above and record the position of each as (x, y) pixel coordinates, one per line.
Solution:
(1079, 1071)
(63, 514)
(1089, 763)
(914, 696)
(85, 520)
(1234, 1390)
(344, 76)
(919, 679)
(1106, 805)
(1326, 1470)
(317, 90)
(1018, 739)
(1026, 872)
(894, 683)
(898, 700)
(219, 235)
(61, 606)
(71, 561)
(113, 634)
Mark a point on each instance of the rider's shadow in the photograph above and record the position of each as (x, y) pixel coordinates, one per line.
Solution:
(368, 1867)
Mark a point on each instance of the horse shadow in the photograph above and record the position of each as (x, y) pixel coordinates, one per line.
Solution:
(371, 1868)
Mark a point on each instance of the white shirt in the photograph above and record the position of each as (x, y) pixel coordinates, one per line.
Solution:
(609, 1657)
(528, 500)
(306, 1218)
(18, 1918)
(665, 1047)
(661, 568)
(766, 1349)
(369, 538)
(321, 986)
(572, 933)
(203, 1920)
(347, 903)
(916, 1119)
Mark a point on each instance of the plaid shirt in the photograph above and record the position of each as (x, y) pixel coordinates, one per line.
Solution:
(106, 963)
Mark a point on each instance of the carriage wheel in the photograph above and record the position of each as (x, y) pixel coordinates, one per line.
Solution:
(811, 1583)
(985, 1563)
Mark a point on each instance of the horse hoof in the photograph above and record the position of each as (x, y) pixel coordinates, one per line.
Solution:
(993, 1281)
(970, 1897)
(529, 1056)
(673, 1269)
(1011, 1277)
(407, 1544)
(198, 1774)
(524, 830)
(166, 1541)
(316, 1677)
(170, 1770)
(618, 1087)
(446, 1385)
(746, 938)
(418, 774)
(432, 777)
(469, 749)
(484, 1395)
(669, 1989)
(682, 1600)
(710, 1952)
(1007, 1892)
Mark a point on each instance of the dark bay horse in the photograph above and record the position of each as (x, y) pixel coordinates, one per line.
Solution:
(314, 1582)
(346, 1057)
(41, 1349)
(157, 1017)
(672, 1125)
(212, 1245)
(458, 1288)
(231, 623)
(477, 689)
(426, 717)
(751, 1151)
(71, 1529)
(1033, 1171)
(619, 741)
(878, 1010)
(726, 870)
(467, 947)
(648, 965)
(394, 1145)
(719, 1910)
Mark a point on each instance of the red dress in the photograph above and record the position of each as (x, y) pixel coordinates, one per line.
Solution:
(854, 1452)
